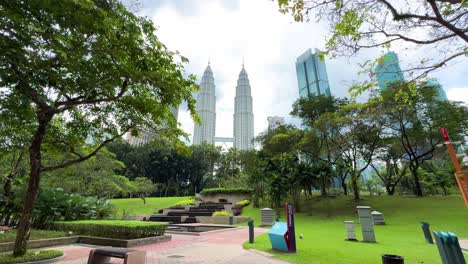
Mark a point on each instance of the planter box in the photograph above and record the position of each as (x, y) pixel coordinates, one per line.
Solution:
(101, 241)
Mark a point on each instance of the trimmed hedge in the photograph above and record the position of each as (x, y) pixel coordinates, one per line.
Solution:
(113, 228)
(214, 191)
(221, 213)
(243, 203)
(30, 256)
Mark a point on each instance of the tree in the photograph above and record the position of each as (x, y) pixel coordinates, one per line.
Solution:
(439, 25)
(390, 154)
(438, 174)
(82, 70)
(143, 187)
(356, 133)
(413, 116)
(96, 176)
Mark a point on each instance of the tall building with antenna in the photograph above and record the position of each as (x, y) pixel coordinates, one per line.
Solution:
(206, 109)
(243, 113)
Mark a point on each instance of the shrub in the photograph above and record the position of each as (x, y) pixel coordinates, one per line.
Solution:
(214, 191)
(30, 256)
(221, 213)
(113, 228)
(190, 201)
(56, 205)
(243, 203)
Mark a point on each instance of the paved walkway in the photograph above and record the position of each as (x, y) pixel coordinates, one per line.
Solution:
(464, 245)
(219, 247)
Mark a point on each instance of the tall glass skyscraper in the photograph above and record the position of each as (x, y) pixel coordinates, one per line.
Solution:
(311, 72)
(440, 93)
(206, 109)
(388, 71)
(243, 113)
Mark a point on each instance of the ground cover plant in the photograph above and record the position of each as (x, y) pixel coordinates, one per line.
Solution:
(323, 231)
(30, 256)
(190, 201)
(214, 191)
(35, 234)
(136, 205)
(221, 213)
(113, 228)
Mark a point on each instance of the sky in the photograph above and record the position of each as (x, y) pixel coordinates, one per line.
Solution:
(228, 32)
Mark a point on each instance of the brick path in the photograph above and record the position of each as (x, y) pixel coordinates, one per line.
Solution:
(219, 247)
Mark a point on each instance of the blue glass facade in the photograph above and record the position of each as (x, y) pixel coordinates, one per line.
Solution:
(440, 93)
(311, 72)
(388, 71)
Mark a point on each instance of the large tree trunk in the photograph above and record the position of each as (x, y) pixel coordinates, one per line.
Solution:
(417, 184)
(24, 226)
(354, 180)
(323, 184)
(344, 186)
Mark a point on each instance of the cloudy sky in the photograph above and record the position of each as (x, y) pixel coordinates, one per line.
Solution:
(226, 31)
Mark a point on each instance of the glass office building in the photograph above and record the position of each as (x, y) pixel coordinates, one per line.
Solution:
(440, 93)
(388, 71)
(312, 77)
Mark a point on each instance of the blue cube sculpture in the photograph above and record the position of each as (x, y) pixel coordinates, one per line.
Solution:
(279, 236)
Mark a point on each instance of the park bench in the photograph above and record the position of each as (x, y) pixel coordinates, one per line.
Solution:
(103, 255)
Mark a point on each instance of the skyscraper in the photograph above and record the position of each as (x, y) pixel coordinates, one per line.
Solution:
(440, 93)
(275, 121)
(206, 109)
(311, 72)
(388, 70)
(146, 135)
(243, 114)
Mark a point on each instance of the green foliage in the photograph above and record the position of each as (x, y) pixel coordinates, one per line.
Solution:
(173, 173)
(35, 235)
(119, 78)
(243, 203)
(190, 201)
(220, 213)
(113, 228)
(54, 205)
(32, 256)
(214, 191)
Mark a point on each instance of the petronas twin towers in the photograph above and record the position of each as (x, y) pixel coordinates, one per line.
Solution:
(243, 114)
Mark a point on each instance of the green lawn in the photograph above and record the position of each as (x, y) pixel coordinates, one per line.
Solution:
(30, 256)
(35, 234)
(136, 205)
(323, 230)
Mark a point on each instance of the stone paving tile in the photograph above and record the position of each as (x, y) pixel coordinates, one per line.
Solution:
(464, 244)
(219, 247)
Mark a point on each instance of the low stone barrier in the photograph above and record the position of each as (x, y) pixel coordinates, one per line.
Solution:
(221, 220)
(100, 241)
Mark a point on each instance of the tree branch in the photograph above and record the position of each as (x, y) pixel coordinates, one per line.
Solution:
(83, 158)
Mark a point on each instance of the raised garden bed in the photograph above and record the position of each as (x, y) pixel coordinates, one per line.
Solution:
(113, 228)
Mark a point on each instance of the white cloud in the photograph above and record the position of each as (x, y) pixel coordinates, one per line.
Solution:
(458, 94)
(270, 43)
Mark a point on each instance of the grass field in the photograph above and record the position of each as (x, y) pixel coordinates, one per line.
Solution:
(321, 225)
(137, 207)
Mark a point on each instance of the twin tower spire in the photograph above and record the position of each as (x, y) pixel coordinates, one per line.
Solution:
(243, 113)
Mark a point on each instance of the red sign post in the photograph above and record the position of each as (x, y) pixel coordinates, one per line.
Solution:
(460, 176)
